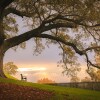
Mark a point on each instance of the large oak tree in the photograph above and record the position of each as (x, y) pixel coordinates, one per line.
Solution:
(72, 24)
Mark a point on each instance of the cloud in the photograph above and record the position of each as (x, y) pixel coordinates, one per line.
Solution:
(31, 69)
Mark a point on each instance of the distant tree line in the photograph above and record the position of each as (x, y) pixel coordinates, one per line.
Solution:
(45, 80)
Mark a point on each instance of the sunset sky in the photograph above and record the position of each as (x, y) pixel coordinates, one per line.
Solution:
(37, 67)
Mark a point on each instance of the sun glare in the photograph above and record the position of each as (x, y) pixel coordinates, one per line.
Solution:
(32, 69)
(44, 74)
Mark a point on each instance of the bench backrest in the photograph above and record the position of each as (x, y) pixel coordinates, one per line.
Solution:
(23, 77)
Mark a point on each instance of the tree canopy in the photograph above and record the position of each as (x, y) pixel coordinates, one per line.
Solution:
(94, 74)
(73, 25)
(10, 68)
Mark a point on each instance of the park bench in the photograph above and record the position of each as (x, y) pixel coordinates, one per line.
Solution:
(24, 78)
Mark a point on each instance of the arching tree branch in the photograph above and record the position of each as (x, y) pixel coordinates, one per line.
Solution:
(16, 12)
(4, 4)
(33, 33)
(37, 33)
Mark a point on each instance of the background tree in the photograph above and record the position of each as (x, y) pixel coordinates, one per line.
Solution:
(98, 74)
(74, 79)
(45, 80)
(86, 79)
(70, 24)
(94, 74)
(10, 68)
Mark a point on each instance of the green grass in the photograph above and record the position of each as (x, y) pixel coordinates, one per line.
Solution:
(61, 92)
(10, 77)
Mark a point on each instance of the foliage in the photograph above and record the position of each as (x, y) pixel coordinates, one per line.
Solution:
(86, 79)
(94, 74)
(74, 79)
(23, 92)
(10, 68)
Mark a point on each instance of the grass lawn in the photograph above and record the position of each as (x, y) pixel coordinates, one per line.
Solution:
(61, 93)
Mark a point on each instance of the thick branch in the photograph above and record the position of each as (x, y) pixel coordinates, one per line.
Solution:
(37, 33)
(4, 4)
(58, 39)
(75, 21)
(16, 12)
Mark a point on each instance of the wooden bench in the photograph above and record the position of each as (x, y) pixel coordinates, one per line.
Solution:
(24, 78)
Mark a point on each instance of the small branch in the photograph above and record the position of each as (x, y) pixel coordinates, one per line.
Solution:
(96, 25)
(38, 13)
(76, 21)
(91, 48)
(63, 58)
(87, 59)
(89, 63)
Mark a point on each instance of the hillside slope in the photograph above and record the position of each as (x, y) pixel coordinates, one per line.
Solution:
(19, 90)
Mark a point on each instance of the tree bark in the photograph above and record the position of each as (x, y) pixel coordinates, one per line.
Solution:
(1, 63)
(2, 38)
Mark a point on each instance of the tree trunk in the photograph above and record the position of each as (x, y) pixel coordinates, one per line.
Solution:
(1, 63)
(2, 38)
